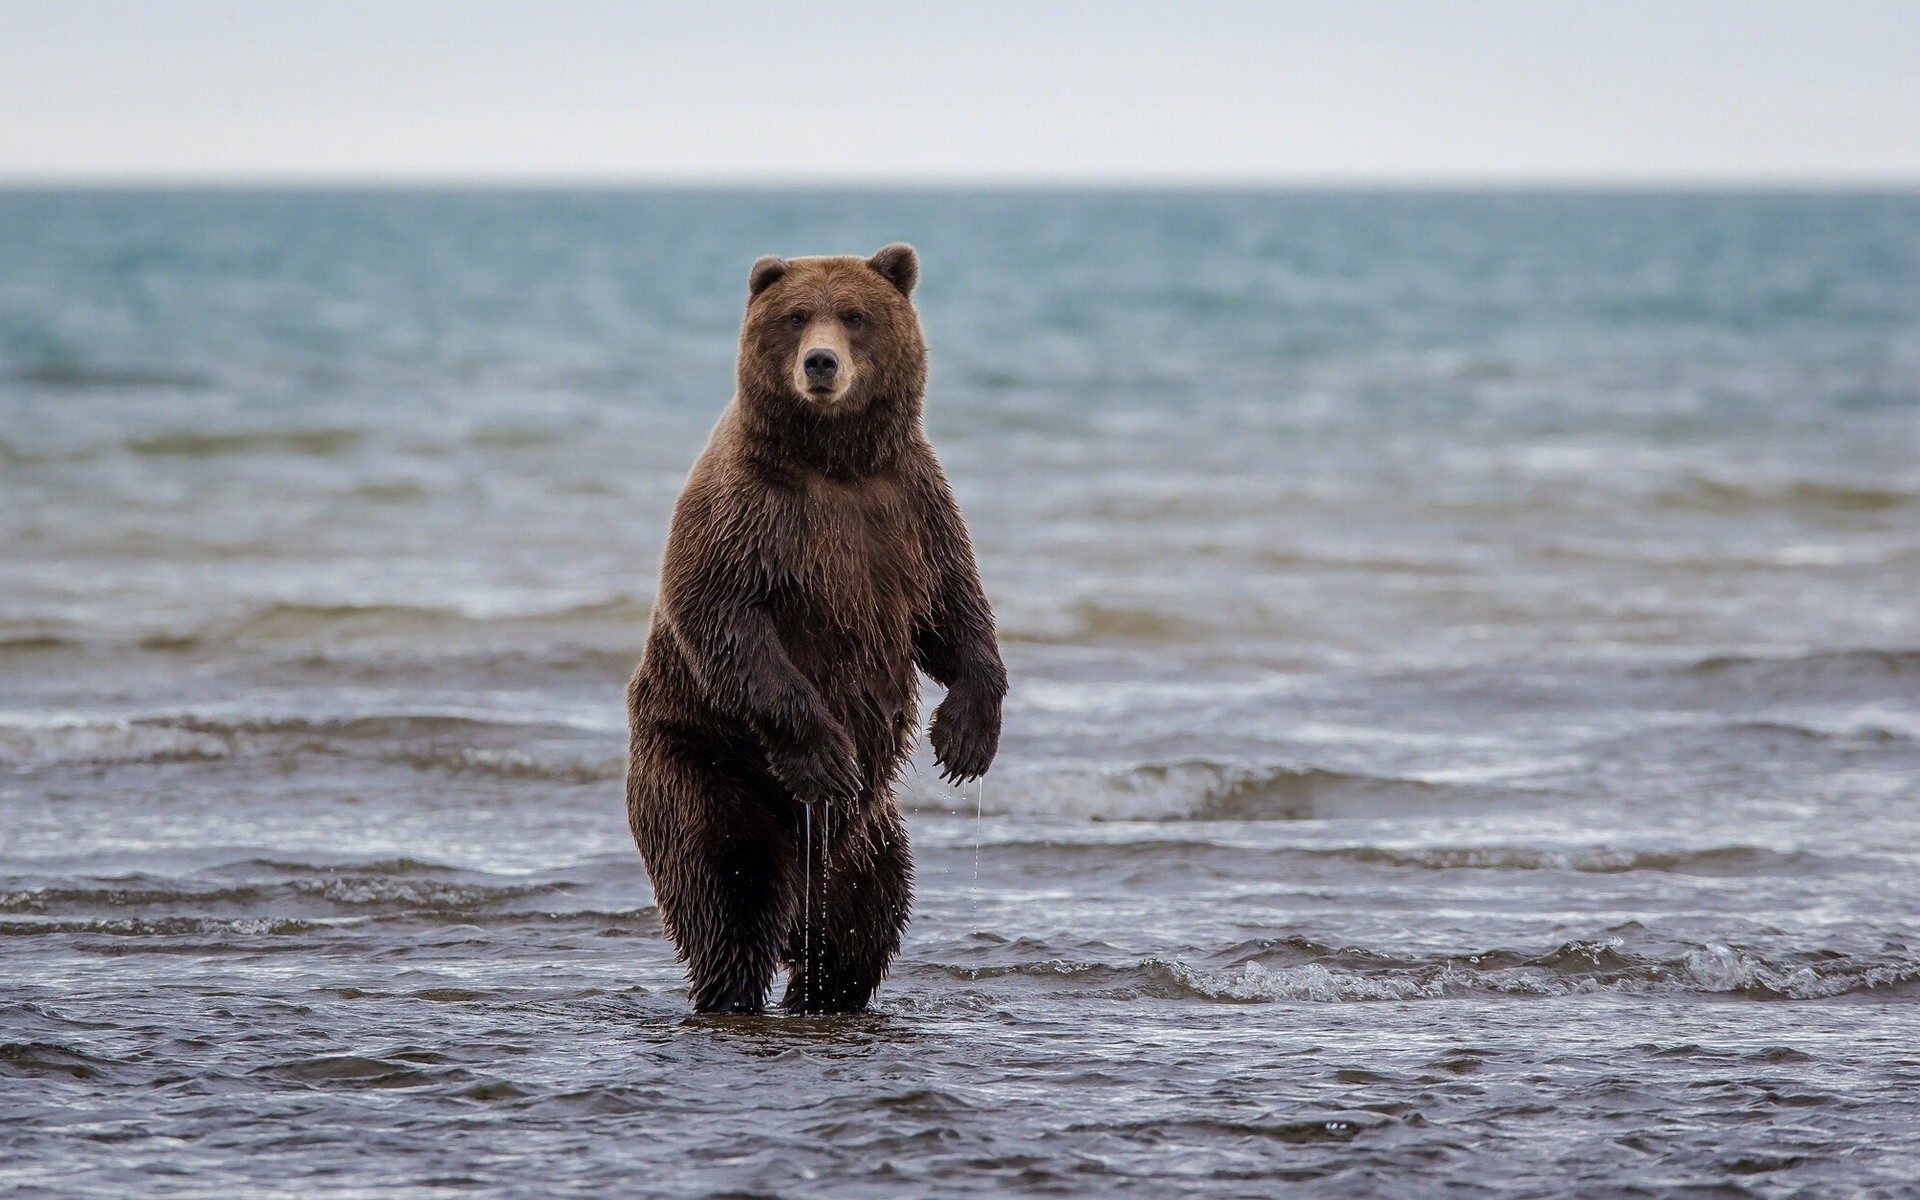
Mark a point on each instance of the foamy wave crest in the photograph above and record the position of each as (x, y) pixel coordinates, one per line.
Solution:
(519, 764)
(268, 898)
(454, 744)
(515, 630)
(1719, 968)
(1129, 854)
(165, 927)
(395, 883)
(1196, 789)
(1597, 860)
(85, 741)
(1257, 983)
(1300, 971)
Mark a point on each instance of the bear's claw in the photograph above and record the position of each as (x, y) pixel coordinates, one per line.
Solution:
(825, 770)
(965, 736)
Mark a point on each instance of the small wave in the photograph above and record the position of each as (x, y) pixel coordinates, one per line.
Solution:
(354, 1071)
(1253, 982)
(296, 621)
(521, 661)
(299, 621)
(426, 741)
(1091, 622)
(186, 443)
(120, 893)
(49, 1058)
(398, 491)
(512, 437)
(1719, 968)
(1256, 983)
(1285, 794)
(1600, 860)
(384, 866)
(161, 927)
(78, 741)
(264, 898)
(1385, 564)
(518, 764)
(1328, 975)
(1896, 662)
(1867, 731)
(637, 922)
(1855, 676)
(1814, 497)
(36, 643)
(1341, 1126)
(1718, 861)
(373, 727)
(358, 890)
(1206, 790)
(157, 740)
(77, 376)
(604, 634)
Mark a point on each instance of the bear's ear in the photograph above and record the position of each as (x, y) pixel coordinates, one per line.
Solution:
(767, 270)
(899, 265)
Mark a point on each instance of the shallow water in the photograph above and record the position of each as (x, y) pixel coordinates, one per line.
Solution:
(1464, 733)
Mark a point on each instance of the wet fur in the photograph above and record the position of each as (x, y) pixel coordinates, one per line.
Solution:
(816, 559)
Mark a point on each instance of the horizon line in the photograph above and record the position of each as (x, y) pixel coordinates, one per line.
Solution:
(359, 182)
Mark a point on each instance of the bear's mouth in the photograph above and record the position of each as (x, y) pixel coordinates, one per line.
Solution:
(824, 393)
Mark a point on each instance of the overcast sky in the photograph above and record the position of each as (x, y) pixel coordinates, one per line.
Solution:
(1198, 91)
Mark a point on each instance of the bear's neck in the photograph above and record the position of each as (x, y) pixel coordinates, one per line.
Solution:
(782, 433)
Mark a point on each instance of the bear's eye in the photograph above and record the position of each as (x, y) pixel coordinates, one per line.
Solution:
(854, 320)
(797, 320)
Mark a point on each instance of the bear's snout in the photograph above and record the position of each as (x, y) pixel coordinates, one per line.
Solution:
(822, 368)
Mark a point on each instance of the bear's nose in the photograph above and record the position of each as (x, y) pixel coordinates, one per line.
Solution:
(821, 367)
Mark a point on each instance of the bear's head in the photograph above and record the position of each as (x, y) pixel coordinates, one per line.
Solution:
(831, 351)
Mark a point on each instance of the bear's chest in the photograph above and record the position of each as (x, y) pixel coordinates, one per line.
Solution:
(859, 563)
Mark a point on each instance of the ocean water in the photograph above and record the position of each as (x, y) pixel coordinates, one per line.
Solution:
(1464, 737)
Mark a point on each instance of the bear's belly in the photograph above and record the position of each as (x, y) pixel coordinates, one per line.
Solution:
(848, 627)
(858, 659)
(864, 672)
(856, 583)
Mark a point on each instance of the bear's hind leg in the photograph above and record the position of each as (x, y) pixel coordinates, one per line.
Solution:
(720, 862)
(860, 906)
(730, 932)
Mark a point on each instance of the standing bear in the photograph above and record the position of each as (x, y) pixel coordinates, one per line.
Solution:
(816, 558)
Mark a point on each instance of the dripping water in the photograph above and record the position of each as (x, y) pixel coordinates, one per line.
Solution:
(979, 790)
(826, 869)
(806, 907)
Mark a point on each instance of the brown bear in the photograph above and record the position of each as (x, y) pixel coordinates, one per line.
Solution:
(816, 558)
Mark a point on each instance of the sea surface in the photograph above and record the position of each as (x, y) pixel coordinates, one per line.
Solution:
(1464, 737)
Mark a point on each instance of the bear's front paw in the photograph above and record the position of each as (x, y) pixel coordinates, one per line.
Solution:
(824, 770)
(965, 734)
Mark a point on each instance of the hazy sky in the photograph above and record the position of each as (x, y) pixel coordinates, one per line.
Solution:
(1341, 91)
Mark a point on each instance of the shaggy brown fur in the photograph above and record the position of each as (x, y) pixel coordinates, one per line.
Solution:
(816, 558)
